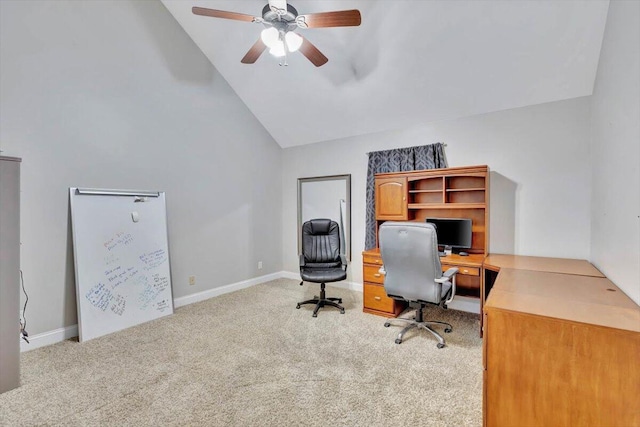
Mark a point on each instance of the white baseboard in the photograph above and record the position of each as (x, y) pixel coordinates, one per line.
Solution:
(471, 305)
(210, 293)
(47, 338)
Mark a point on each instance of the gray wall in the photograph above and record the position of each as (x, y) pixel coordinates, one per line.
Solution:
(115, 94)
(538, 155)
(615, 202)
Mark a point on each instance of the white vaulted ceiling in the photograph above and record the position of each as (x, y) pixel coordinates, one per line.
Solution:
(410, 62)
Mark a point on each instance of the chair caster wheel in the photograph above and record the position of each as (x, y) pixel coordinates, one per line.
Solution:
(340, 301)
(447, 330)
(341, 311)
(398, 341)
(387, 324)
(440, 345)
(315, 315)
(298, 306)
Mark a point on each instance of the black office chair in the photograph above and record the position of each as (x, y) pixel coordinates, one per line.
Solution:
(413, 273)
(321, 260)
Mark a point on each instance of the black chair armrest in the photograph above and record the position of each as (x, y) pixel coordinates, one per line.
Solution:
(302, 263)
(343, 260)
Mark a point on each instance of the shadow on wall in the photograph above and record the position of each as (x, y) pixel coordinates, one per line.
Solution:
(502, 213)
(184, 59)
(356, 59)
(69, 302)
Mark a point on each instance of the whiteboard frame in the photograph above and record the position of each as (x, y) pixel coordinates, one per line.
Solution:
(78, 191)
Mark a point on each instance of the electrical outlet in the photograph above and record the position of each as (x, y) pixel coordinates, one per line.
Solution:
(259, 265)
(192, 280)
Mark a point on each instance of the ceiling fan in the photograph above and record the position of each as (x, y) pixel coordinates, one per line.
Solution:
(281, 21)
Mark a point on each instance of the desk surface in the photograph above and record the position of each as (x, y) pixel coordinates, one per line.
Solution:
(584, 299)
(551, 265)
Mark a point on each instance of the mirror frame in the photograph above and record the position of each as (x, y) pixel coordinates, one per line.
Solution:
(347, 180)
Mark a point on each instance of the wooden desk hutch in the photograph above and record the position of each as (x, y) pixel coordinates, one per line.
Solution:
(461, 192)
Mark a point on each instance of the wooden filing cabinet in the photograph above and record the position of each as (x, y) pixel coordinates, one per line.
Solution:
(375, 299)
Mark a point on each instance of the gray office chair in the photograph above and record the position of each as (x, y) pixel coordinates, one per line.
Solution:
(321, 260)
(413, 272)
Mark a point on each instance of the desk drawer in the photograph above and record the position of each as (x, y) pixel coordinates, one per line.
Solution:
(469, 271)
(376, 298)
(371, 274)
(371, 259)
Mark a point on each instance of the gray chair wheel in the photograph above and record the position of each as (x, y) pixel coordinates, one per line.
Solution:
(297, 305)
(315, 314)
(342, 311)
(399, 341)
(447, 330)
(440, 345)
(387, 324)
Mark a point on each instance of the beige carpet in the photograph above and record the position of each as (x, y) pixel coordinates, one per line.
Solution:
(249, 358)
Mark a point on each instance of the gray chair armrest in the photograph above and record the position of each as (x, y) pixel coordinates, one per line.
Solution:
(302, 263)
(450, 275)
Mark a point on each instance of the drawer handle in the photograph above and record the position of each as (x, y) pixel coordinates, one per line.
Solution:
(377, 261)
(377, 298)
(465, 271)
(376, 275)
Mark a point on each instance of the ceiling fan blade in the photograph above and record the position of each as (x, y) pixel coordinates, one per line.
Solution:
(222, 14)
(312, 53)
(340, 18)
(254, 53)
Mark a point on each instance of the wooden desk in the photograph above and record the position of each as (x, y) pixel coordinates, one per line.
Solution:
(376, 301)
(493, 263)
(559, 349)
(552, 265)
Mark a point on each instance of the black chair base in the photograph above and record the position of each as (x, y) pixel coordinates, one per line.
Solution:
(322, 301)
(418, 322)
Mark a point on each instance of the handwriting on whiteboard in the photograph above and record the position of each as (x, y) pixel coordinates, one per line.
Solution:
(153, 259)
(101, 297)
(116, 276)
(119, 239)
(152, 289)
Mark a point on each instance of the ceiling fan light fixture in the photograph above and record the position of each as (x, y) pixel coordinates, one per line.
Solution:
(270, 37)
(293, 40)
(277, 50)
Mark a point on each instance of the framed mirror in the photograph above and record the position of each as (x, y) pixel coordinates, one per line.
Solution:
(326, 197)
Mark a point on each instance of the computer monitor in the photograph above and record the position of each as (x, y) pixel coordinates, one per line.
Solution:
(453, 232)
